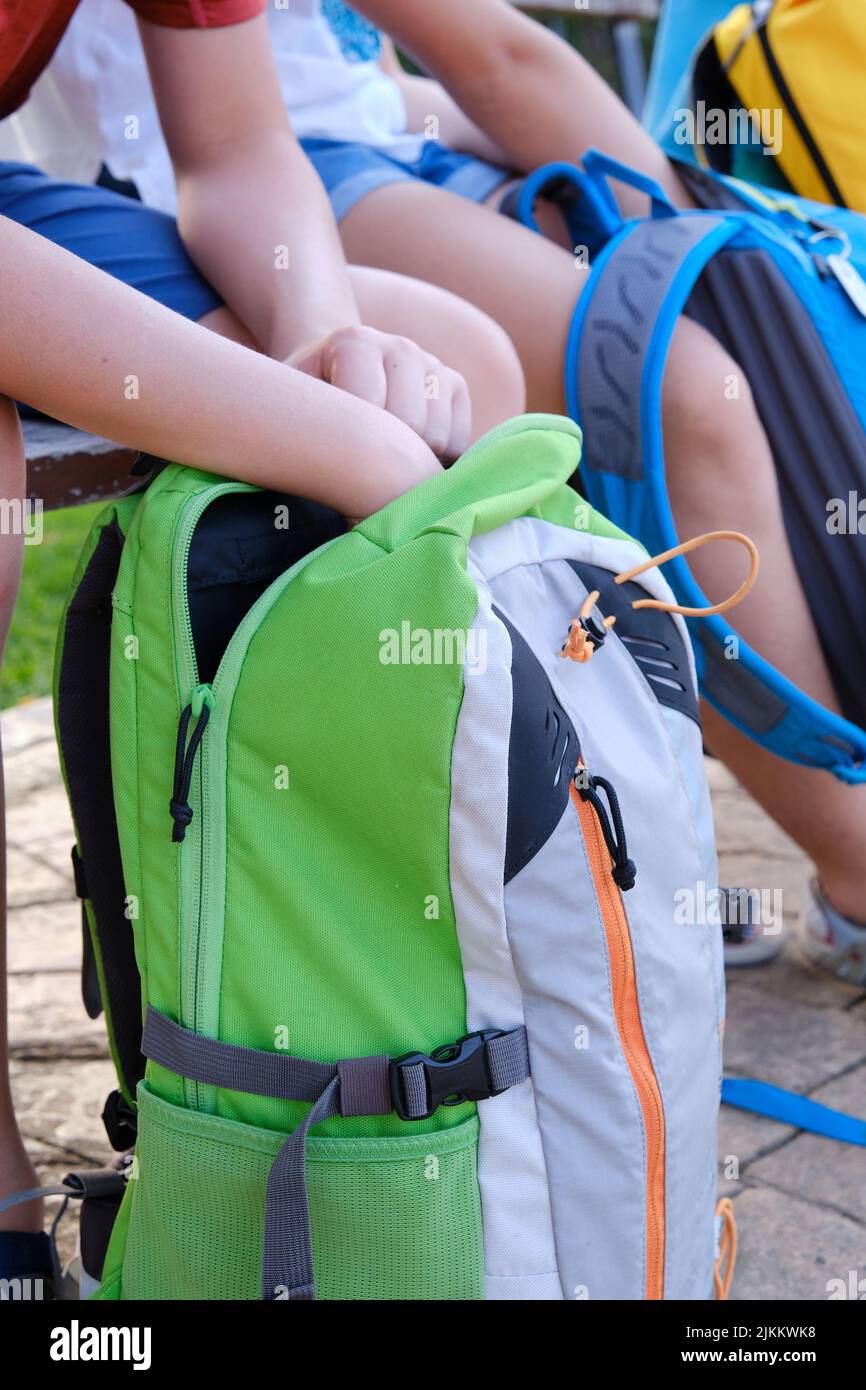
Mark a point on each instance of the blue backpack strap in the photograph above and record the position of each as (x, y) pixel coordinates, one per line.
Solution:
(790, 1109)
(615, 360)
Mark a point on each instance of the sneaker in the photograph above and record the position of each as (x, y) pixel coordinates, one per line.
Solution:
(746, 942)
(831, 941)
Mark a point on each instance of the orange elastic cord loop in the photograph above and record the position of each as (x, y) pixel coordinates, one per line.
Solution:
(723, 1269)
(683, 549)
(578, 645)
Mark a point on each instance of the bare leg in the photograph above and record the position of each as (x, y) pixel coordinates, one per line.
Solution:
(825, 818)
(720, 474)
(16, 1171)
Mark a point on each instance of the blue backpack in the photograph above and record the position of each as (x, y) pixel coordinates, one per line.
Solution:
(779, 281)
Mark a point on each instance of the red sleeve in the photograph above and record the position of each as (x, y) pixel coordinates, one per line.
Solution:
(197, 14)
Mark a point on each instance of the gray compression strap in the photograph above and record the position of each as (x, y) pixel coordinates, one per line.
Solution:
(616, 334)
(287, 1262)
(232, 1068)
(358, 1086)
(414, 1082)
(508, 1059)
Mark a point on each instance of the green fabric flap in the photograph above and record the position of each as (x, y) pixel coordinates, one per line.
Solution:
(508, 473)
(521, 468)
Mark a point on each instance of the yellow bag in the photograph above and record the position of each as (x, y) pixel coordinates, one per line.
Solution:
(804, 59)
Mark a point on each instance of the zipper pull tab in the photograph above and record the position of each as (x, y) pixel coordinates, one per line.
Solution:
(624, 870)
(201, 696)
(199, 709)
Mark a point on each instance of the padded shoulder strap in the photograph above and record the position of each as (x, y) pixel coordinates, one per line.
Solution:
(110, 974)
(622, 332)
(615, 361)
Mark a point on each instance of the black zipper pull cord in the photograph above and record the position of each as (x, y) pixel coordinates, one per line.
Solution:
(184, 758)
(624, 870)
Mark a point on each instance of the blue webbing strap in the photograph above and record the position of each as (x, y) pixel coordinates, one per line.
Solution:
(588, 208)
(790, 1109)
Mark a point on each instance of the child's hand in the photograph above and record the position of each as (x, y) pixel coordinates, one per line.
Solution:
(398, 376)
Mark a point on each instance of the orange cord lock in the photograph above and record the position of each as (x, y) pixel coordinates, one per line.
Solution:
(585, 633)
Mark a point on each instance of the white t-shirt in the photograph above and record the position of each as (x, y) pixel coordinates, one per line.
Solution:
(94, 103)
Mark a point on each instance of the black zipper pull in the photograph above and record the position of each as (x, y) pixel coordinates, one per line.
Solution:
(624, 870)
(184, 759)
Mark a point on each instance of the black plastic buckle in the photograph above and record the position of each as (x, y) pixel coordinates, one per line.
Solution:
(454, 1073)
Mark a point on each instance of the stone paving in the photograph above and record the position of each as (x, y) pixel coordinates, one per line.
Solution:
(800, 1201)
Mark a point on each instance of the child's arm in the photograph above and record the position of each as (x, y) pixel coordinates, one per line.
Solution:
(256, 219)
(526, 88)
(423, 98)
(87, 349)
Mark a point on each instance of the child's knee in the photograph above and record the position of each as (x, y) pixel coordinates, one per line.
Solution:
(473, 343)
(707, 403)
(499, 363)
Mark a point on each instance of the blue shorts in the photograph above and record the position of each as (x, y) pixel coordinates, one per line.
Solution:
(351, 171)
(118, 234)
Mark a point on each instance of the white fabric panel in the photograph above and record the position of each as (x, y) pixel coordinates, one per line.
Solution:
(656, 765)
(520, 1258)
(591, 1120)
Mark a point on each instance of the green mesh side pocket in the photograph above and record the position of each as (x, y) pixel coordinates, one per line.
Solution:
(391, 1218)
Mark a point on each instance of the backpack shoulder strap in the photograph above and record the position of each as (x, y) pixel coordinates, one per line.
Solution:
(615, 361)
(110, 978)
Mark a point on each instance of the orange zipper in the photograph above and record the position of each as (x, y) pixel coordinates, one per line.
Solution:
(631, 1035)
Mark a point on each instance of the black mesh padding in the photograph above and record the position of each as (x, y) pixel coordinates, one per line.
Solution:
(237, 552)
(650, 636)
(82, 721)
(818, 445)
(543, 751)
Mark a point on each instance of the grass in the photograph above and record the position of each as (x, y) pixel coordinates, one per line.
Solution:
(48, 569)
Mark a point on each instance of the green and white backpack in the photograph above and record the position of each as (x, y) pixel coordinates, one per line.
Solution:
(401, 897)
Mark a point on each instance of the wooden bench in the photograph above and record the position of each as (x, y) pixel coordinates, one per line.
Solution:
(66, 468)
